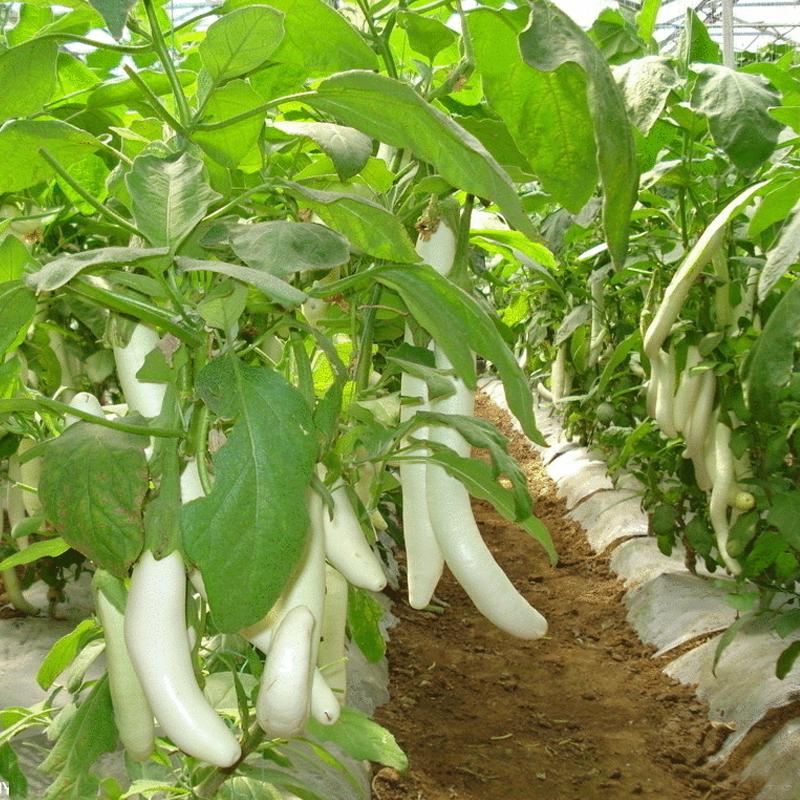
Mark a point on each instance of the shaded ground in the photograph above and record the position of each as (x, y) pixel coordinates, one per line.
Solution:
(583, 713)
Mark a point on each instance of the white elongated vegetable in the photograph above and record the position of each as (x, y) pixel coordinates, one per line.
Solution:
(84, 402)
(697, 258)
(284, 697)
(688, 387)
(424, 559)
(325, 707)
(720, 494)
(141, 396)
(460, 540)
(132, 712)
(155, 633)
(698, 429)
(29, 473)
(11, 583)
(345, 545)
(598, 328)
(331, 657)
(366, 474)
(558, 374)
(665, 395)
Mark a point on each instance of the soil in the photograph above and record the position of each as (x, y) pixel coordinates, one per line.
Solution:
(584, 713)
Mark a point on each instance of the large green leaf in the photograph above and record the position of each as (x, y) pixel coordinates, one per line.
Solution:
(552, 39)
(89, 733)
(169, 196)
(11, 772)
(772, 358)
(17, 307)
(361, 738)
(348, 148)
(251, 529)
(272, 287)
(240, 41)
(282, 247)
(368, 226)
(782, 255)
(736, 105)
(14, 257)
(229, 145)
(775, 206)
(115, 14)
(20, 142)
(696, 43)
(393, 112)
(336, 44)
(426, 35)
(65, 650)
(646, 18)
(460, 327)
(28, 78)
(93, 485)
(64, 268)
(546, 113)
(646, 84)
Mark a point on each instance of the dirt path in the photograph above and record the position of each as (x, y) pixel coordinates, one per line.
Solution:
(584, 713)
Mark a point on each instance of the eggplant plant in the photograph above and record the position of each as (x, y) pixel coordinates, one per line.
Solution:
(239, 340)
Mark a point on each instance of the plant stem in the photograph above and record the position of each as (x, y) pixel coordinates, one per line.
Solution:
(155, 102)
(207, 789)
(137, 309)
(160, 45)
(119, 48)
(253, 112)
(110, 215)
(383, 45)
(364, 367)
(17, 405)
(201, 447)
(305, 378)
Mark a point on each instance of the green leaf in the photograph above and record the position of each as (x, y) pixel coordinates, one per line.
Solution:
(240, 787)
(274, 288)
(13, 775)
(364, 615)
(14, 257)
(786, 660)
(646, 84)
(426, 35)
(578, 316)
(784, 513)
(240, 41)
(17, 309)
(64, 268)
(775, 206)
(782, 254)
(222, 306)
(46, 548)
(736, 104)
(169, 196)
(481, 482)
(771, 361)
(348, 148)
(546, 113)
(460, 327)
(787, 115)
(92, 487)
(361, 738)
(393, 112)
(337, 45)
(646, 19)
(552, 39)
(281, 247)
(20, 142)
(768, 546)
(726, 639)
(89, 733)
(787, 622)
(115, 13)
(367, 225)
(65, 650)
(620, 353)
(418, 361)
(253, 524)
(696, 43)
(28, 77)
(230, 145)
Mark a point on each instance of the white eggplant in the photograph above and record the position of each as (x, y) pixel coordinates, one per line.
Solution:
(720, 495)
(688, 388)
(331, 658)
(665, 395)
(141, 396)
(155, 633)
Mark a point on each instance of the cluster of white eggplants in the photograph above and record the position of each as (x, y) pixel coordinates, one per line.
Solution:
(438, 523)
(685, 405)
(148, 647)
